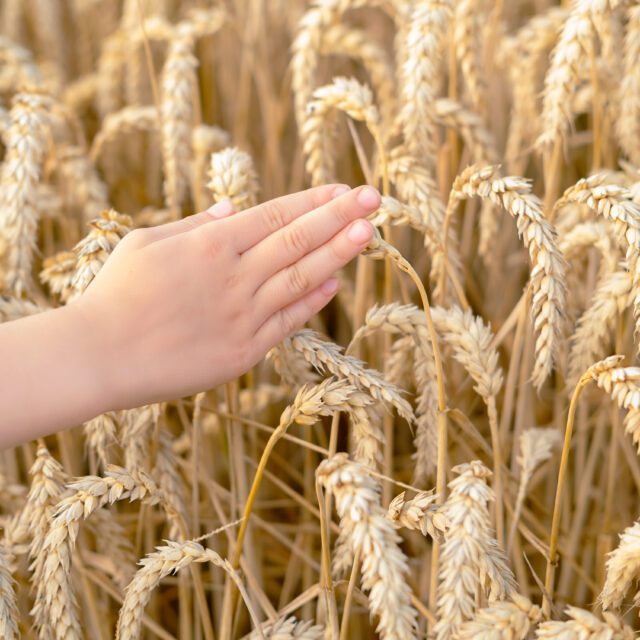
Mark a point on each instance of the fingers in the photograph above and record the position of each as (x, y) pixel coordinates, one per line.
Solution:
(222, 209)
(253, 225)
(303, 235)
(287, 320)
(298, 279)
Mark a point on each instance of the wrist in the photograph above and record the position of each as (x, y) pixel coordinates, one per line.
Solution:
(97, 357)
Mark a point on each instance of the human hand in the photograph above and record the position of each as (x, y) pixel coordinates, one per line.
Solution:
(186, 306)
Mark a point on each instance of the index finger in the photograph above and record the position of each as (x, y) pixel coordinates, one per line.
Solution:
(253, 225)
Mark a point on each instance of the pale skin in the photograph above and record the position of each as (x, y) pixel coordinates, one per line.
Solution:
(180, 308)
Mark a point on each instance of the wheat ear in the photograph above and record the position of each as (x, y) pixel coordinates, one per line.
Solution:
(536, 447)
(583, 625)
(514, 195)
(289, 629)
(423, 56)
(372, 535)
(347, 41)
(418, 514)
(167, 559)
(26, 143)
(124, 122)
(616, 204)
(627, 126)
(233, 176)
(8, 603)
(55, 608)
(356, 101)
(94, 249)
(502, 621)
(178, 86)
(470, 555)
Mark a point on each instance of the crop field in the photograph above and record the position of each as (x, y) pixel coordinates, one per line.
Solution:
(449, 450)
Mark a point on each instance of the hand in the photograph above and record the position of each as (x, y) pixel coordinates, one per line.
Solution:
(189, 305)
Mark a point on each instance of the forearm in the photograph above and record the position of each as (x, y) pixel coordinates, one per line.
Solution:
(51, 375)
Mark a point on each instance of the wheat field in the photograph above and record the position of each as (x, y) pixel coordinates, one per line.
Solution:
(447, 451)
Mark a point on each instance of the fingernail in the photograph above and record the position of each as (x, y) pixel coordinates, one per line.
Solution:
(360, 232)
(329, 287)
(369, 197)
(340, 190)
(221, 209)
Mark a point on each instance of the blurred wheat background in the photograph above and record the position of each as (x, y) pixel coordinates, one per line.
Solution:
(449, 450)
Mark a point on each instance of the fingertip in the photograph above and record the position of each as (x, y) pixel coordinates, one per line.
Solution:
(340, 190)
(369, 198)
(329, 287)
(221, 209)
(360, 232)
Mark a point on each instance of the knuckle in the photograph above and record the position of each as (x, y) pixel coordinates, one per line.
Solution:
(341, 212)
(287, 322)
(233, 279)
(338, 253)
(275, 215)
(134, 239)
(297, 281)
(296, 239)
(212, 244)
